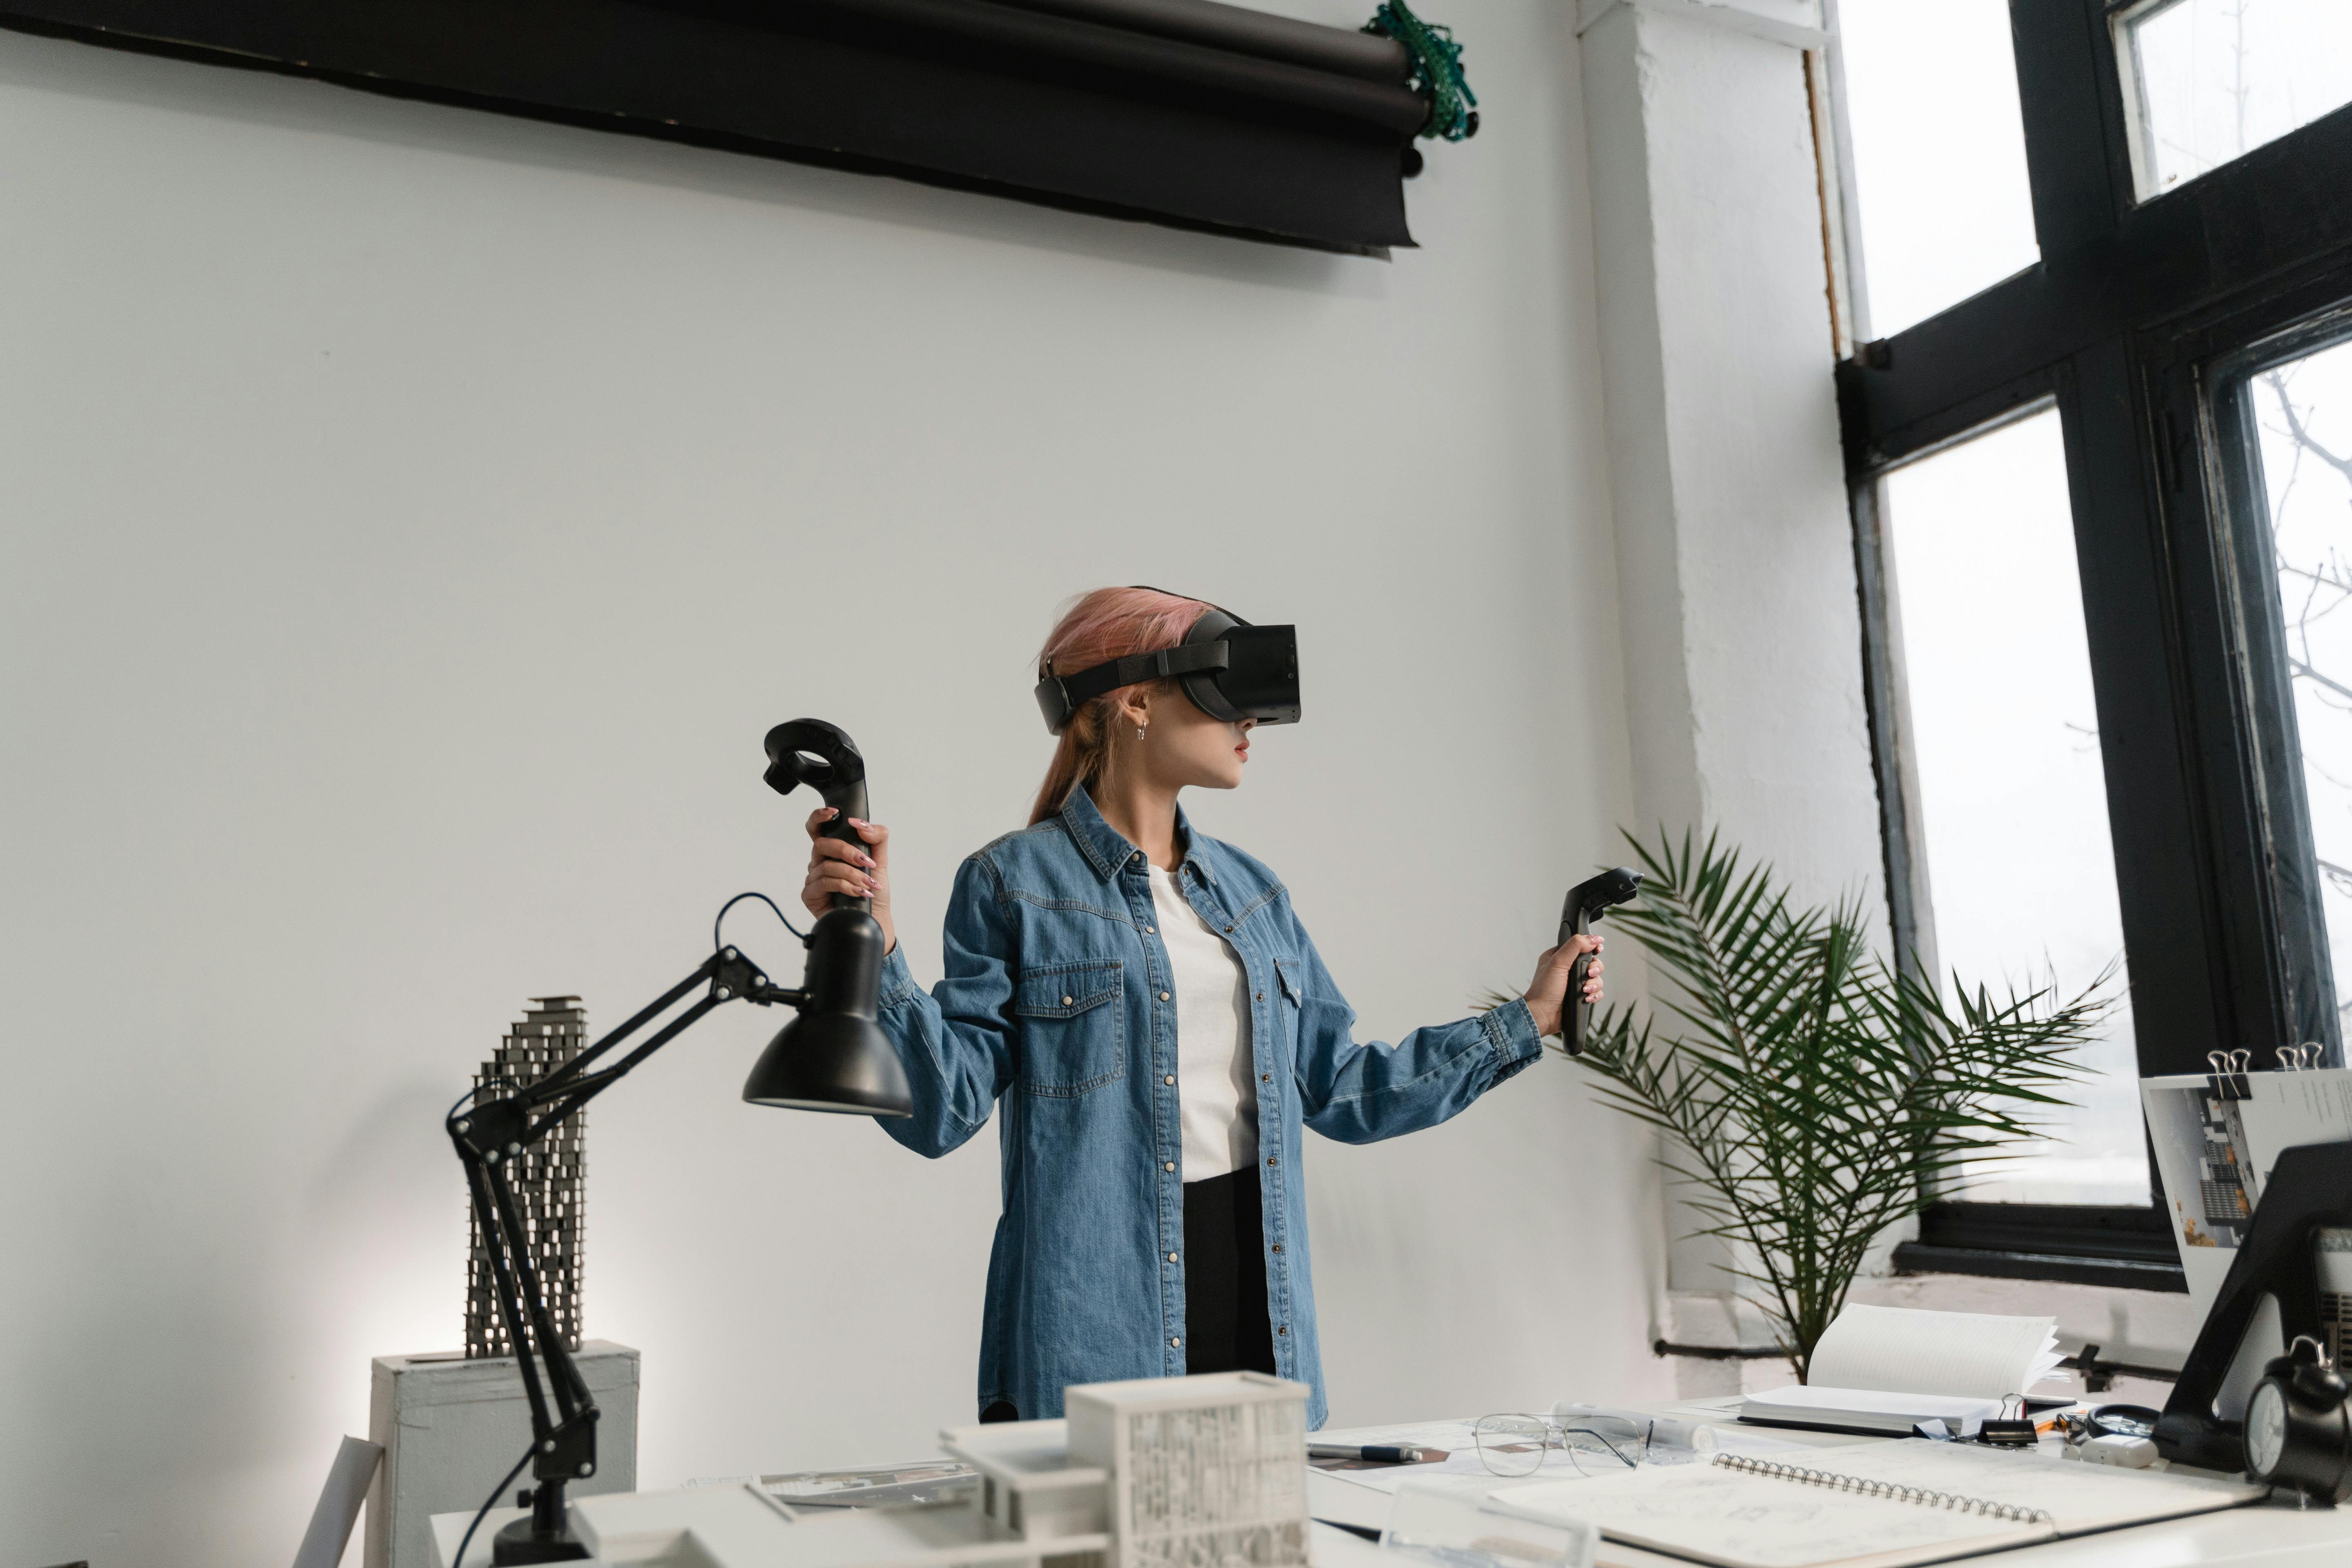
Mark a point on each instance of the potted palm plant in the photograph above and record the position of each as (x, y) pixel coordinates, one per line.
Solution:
(1811, 1093)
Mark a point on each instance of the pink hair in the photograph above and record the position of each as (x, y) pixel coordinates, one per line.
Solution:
(1107, 624)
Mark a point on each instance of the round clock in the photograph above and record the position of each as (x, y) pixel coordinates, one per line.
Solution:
(2298, 1429)
(2265, 1430)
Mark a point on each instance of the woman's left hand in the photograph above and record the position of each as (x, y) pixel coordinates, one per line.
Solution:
(1549, 990)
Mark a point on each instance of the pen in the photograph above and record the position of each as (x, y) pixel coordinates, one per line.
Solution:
(1377, 1453)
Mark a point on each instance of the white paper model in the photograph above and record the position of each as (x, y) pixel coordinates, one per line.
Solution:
(1203, 1470)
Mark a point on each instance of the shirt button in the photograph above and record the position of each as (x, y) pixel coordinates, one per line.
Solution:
(1175, 1343)
(1261, 996)
(1266, 1078)
(1282, 1328)
(1172, 1257)
(1229, 928)
(1277, 1246)
(1170, 1165)
(1170, 1078)
(1163, 996)
(1272, 1161)
(1065, 1001)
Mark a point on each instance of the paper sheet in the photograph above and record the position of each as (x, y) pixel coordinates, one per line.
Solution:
(1722, 1515)
(1719, 1516)
(2214, 1155)
(1961, 1355)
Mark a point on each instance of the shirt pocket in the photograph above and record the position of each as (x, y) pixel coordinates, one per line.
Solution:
(1073, 1025)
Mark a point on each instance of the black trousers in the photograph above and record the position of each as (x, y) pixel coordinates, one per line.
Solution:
(1226, 1325)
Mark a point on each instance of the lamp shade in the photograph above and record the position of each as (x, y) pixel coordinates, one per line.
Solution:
(833, 1055)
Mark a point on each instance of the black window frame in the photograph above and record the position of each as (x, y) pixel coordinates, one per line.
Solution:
(2140, 325)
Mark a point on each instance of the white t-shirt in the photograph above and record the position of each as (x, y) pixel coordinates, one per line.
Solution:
(1212, 1038)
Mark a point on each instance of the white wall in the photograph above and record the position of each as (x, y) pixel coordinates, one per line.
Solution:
(1743, 632)
(410, 519)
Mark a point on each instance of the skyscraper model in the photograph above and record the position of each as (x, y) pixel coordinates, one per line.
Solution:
(550, 1180)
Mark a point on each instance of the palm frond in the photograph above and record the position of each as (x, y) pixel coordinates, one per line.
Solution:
(1811, 1094)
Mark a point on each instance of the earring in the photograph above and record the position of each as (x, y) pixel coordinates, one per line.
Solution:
(1139, 731)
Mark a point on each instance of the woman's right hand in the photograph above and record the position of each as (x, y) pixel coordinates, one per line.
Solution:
(836, 865)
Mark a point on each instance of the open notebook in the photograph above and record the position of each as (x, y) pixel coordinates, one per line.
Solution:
(1874, 1505)
(1883, 1369)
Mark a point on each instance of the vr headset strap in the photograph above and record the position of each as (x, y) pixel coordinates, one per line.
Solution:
(1190, 659)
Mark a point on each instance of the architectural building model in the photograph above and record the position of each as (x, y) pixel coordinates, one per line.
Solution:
(1177, 1472)
(549, 1181)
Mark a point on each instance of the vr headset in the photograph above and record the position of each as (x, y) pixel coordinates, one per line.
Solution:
(1229, 669)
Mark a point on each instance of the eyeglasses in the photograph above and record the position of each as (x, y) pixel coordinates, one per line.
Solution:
(1514, 1445)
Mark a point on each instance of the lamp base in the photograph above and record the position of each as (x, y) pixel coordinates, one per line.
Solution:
(520, 1542)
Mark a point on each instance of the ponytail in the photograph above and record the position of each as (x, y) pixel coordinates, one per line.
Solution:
(1078, 758)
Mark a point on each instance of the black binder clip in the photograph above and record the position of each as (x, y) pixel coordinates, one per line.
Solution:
(2008, 1430)
(2228, 1079)
(2305, 1058)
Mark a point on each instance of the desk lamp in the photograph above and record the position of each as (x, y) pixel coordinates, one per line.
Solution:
(832, 1057)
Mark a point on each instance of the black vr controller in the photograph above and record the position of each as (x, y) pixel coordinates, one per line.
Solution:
(1587, 902)
(821, 755)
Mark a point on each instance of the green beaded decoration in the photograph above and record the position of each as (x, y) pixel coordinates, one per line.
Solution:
(1436, 69)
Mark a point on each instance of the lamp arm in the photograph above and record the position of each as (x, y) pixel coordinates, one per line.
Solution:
(488, 1136)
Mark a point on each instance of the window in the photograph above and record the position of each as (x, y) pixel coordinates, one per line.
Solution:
(2175, 349)
(2210, 81)
(1939, 151)
(2300, 412)
(2013, 797)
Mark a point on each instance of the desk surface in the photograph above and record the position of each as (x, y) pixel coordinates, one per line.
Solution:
(2276, 1534)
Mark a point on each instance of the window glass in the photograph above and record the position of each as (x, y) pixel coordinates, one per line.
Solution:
(2304, 411)
(2020, 869)
(1938, 153)
(2211, 80)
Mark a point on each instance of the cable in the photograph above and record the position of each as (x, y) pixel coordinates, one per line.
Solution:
(496, 1492)
(486, 1083)
(716, 945)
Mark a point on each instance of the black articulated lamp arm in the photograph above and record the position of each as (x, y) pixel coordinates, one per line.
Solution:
(489, 1134)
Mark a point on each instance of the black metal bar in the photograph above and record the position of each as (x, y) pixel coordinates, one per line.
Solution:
(2099, 1374)
(563, 1378)
(1720, 1353)
(491, 1215)
(584, 1089)
(553, 1082)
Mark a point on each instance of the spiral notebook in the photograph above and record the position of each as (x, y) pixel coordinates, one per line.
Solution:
(1875, 1505)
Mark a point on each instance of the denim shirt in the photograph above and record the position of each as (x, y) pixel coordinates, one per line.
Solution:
(1058, 1007)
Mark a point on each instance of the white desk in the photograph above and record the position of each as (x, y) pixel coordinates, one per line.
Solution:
(728, 1527)
(2275, 1534)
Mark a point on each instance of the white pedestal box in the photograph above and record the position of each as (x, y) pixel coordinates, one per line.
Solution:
(450, 1427)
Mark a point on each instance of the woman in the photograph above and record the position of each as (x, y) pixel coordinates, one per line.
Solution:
(1144, 1006)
